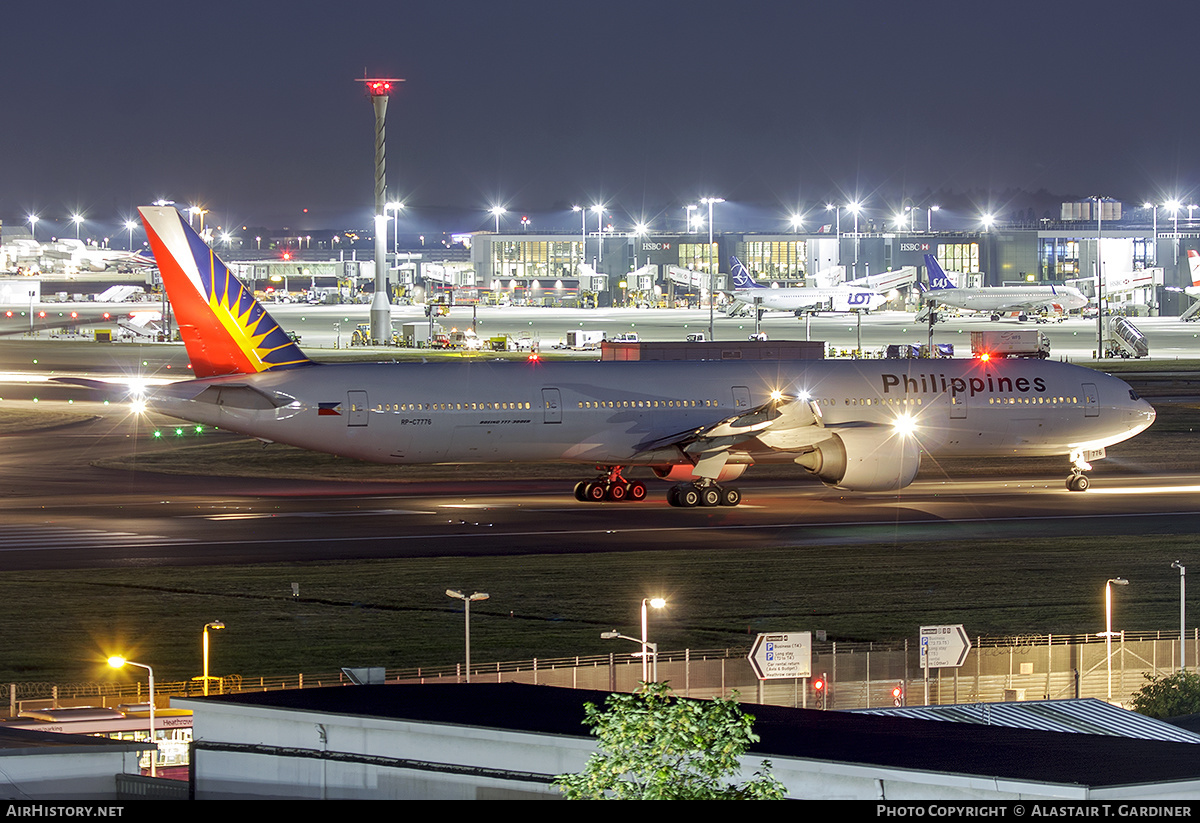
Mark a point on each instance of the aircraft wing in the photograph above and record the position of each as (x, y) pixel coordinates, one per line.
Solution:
(782, 424)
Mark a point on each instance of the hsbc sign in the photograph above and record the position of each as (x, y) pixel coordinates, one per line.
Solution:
(662, 251)
(917, 247)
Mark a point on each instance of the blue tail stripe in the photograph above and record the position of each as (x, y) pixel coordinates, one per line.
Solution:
(741, 276)
(937, 277)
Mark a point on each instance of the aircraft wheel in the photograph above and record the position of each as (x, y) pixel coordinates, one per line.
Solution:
(673, 496)
(594, 491)
(689, 497)
(1078, 483)
(637, 490)
(995, 317)
(731, 496)
(616, 492)
(581, 491)
(710, 496)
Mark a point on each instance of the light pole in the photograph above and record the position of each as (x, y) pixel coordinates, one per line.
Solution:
(1099, 283)
(582, 236)
(616, 635)
(712, 269)
(1108, 632)
(116, 661)
(214, 625)
(929, 218)
(395, 208)
(77, 219)
(1182, 614)
(599, 210)
(658, 603)
(1154, 208)
(466, 599)
(496, 211)
(797, 223)
(855, 208)
(129, 227)
(687, 211)
(33, 221)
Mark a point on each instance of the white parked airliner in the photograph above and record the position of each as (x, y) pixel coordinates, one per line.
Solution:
(998, 299)
(861, 425)
(837, 298)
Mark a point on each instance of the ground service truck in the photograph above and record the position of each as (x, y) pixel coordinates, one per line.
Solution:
(1023, 343)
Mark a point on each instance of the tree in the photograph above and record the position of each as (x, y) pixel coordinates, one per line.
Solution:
(1172, 695)
(656, 746)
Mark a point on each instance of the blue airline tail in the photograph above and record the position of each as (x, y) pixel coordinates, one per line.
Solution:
(741, 276)
(937, 277)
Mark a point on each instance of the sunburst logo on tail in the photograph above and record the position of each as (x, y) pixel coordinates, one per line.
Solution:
(225, 329)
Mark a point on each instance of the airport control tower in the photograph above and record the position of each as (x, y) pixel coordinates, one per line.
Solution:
(378, 89)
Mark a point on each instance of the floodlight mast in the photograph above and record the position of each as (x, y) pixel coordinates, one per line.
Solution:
(379, 89)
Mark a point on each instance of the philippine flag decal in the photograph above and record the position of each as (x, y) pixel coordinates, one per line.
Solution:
(334, 409)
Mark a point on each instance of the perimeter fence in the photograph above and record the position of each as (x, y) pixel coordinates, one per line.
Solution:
(857, 675)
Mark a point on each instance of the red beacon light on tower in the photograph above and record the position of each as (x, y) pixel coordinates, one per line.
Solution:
(379, 86)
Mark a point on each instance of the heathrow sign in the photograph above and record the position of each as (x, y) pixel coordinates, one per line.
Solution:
(944, 646)
(783, 655)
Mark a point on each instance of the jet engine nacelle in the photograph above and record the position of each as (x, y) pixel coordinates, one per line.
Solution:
(682, 472)
(869, 459)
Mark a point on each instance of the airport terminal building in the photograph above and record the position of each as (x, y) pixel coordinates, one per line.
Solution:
(1144, 272)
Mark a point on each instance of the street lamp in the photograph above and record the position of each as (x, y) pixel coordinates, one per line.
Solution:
(129, 227)
(116, 661)
(712, 269)
(1154, 207)
(582, 235)
(658, 603)
(687, 210)
(395, 208)
(33, 221)
(1108, 632)
(797, 223)
(837, 220)
(855, 208)
(496, 211)
(929, 218)
(214, 625)
(77, 219)
(599, 210)
(466, 599)
(616, 635)
(1182, 612)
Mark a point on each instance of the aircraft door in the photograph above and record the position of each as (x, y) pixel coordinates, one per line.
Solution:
(1091, 400)
(958, 406)
(356, 403)
(741, 397)
(551, 406)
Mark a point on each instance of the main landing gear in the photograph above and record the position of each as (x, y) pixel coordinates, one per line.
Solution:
(703, 493)
(610, 485)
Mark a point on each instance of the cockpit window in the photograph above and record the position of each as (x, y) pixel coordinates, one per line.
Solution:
(1133, 395)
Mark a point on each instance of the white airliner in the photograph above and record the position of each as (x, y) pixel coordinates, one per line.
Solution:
(1194, 268)
(838, 298)
(998, 299)
(861, 425)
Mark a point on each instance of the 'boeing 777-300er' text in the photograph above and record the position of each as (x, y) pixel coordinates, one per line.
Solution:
(861, 425)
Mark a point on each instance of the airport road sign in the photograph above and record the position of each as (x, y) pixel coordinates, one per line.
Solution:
(782, 655)
(944, 646)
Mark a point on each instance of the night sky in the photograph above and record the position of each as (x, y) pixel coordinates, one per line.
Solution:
(250, 108)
